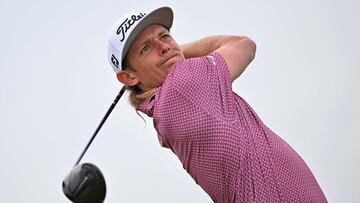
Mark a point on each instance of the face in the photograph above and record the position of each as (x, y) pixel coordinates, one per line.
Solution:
(151, 56)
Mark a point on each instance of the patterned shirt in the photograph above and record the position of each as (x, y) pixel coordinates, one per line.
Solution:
(221, 141)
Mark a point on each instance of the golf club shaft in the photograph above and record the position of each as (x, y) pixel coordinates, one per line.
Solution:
(101, 123)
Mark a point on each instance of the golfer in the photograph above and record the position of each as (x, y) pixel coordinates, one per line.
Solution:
(217, 136)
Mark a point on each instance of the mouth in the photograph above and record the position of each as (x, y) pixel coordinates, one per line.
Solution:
(167, 59)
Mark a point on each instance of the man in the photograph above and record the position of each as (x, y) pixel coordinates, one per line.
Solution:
(217, 136)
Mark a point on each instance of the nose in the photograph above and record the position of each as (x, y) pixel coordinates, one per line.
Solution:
(163, 47)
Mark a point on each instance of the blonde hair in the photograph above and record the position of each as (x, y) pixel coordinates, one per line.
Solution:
(136, 94)
(137, 97)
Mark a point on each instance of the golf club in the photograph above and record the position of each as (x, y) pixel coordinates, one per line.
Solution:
(85, 182)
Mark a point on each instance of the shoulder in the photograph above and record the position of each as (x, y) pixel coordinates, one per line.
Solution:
(197, 69)
(195, 80)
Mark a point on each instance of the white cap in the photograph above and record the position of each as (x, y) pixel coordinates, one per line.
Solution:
(127, 27)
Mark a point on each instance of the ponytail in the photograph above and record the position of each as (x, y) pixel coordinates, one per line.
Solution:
(137, 96)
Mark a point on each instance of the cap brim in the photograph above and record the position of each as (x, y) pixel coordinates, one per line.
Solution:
(162, 16)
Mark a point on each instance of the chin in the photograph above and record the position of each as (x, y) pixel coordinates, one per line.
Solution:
(175, 60)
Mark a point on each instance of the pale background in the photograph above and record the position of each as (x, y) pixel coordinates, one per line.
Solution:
(56, 85)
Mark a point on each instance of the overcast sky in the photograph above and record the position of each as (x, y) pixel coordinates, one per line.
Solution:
(56, 85)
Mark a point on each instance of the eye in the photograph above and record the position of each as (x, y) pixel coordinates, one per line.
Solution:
(165, 36)
(145, 49)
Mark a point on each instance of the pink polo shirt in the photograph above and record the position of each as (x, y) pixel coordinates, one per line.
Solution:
(220, 140)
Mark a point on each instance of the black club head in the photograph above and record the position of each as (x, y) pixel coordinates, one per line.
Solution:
(85, 184)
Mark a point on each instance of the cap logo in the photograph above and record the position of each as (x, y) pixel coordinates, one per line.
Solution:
(126, 25)
(114, 61)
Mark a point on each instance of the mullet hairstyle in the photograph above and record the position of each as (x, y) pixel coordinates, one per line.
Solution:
(136, 94)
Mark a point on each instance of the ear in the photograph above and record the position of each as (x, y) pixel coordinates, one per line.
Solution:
(127, 78)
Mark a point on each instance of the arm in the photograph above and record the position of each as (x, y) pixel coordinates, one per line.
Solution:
(238, 51)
